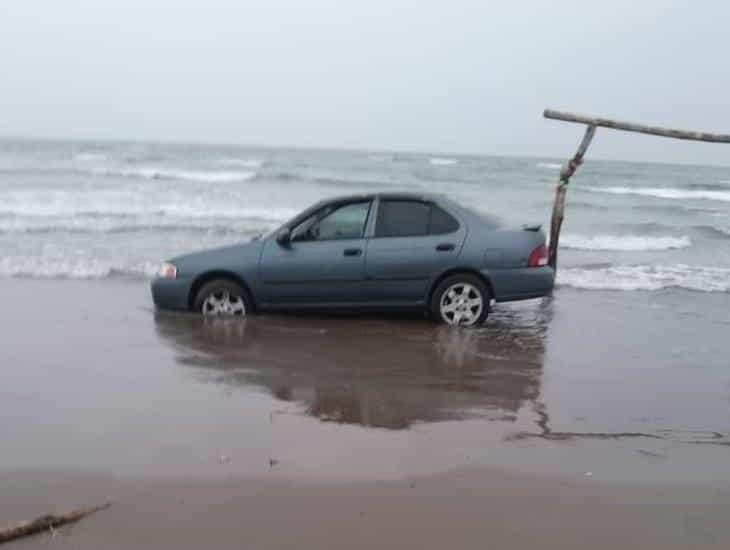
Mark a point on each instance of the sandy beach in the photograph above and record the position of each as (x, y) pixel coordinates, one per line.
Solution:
(550, 427)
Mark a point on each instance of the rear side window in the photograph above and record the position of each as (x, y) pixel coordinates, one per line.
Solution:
(441, 222)
(399, 218)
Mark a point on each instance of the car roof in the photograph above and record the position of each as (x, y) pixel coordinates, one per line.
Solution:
(403, 195)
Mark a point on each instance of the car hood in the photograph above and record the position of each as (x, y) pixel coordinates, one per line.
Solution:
(224, 257)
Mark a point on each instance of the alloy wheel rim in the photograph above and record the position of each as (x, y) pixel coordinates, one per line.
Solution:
(462, 304)
(223, 303)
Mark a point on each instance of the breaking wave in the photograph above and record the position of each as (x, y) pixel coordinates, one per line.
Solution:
(42, 268)
(89, 157)
(15, 214)
(179, 175)
(647, 277)
(121, 224)
(665, 193)
(627, 243)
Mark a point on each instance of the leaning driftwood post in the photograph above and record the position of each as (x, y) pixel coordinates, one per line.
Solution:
(569, 169)
(46, 523)
(559, 205)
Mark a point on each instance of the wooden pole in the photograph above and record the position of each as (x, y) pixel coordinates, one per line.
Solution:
(559, 205)
(632, 127)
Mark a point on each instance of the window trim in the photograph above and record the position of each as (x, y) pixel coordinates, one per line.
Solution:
(336, 206)
(428, 203)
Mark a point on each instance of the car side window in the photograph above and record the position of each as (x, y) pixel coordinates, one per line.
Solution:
(441, 222)
(404, 218)
(343, 221)
(401, 218)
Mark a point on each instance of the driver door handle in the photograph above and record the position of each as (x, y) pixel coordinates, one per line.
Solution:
(353, 252)
(445, 247)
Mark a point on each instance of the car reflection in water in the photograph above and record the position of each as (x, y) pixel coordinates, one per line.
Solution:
(373, 372)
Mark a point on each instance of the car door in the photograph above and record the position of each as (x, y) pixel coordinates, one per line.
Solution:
(413, 241)
(324, 262)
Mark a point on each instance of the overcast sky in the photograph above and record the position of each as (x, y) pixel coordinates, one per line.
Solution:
(457, 76)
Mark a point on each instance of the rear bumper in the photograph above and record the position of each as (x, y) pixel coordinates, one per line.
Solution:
(521, 283)
(171, 293)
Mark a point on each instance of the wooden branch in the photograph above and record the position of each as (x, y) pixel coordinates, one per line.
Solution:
(46, 523)
(632, 127)
(566, 172)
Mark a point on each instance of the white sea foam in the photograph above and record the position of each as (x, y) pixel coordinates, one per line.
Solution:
(180, 175)
(665, 193)
(647, 277)
(439, 161)
(549, 165)
(245, 163)
(628, 243)
(87, 268)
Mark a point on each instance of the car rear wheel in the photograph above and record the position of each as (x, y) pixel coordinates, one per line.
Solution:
(461, 300)
(222, 297)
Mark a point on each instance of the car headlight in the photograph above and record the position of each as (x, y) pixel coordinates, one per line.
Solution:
(167, 271)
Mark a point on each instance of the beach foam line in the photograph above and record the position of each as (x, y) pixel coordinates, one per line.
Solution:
(665, 193)
(626, 243)
(549, 165)
(647, 277)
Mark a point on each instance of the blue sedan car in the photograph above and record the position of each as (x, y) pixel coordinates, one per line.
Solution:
(379, 251)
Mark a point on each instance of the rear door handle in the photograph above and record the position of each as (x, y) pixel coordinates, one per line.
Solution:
(445, 247)
(353, 252)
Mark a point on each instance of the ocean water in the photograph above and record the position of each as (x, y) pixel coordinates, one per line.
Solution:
(113, 210)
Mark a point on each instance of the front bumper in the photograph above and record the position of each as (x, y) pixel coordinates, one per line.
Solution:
(171, 293)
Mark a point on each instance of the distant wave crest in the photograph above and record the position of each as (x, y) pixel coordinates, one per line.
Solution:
(441, 161)
(627, 243)
(245, 163)
(647, 277)
(549, 165)
(665, 193)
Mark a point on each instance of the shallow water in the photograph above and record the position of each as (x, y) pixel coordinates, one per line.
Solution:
(587, 384)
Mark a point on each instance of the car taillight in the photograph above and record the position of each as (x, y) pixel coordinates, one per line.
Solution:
(538, 257)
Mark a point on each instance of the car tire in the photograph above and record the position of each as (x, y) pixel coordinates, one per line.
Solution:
(223, 298)
(460, 300)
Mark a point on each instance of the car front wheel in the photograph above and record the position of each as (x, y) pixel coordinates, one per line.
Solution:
(222, 297)
(461, 300)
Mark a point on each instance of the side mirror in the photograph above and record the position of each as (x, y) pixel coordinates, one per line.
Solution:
(283, 237)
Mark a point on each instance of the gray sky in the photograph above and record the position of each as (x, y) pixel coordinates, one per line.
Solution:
(458, 76)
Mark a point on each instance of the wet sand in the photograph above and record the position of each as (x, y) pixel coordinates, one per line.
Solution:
(466, 509)
(593, 418)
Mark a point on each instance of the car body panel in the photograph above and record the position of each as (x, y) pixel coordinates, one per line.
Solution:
(312, 272)
(386, 272)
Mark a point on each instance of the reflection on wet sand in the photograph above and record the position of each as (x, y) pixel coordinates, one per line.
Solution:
(372, 372)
